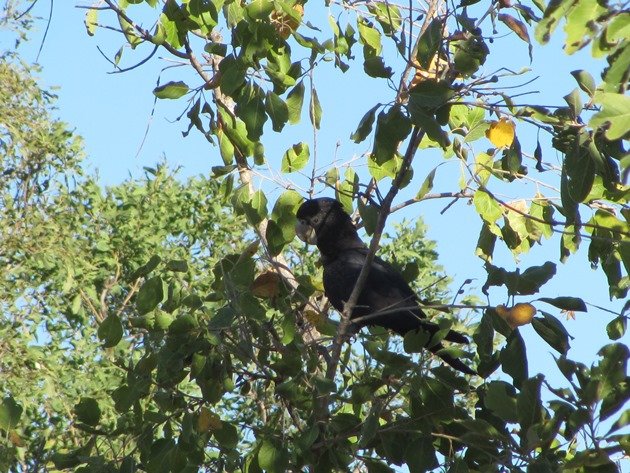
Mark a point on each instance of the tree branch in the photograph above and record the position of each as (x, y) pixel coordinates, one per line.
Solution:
(414, 140)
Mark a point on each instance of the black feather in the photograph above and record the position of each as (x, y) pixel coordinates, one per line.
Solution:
(386, 299)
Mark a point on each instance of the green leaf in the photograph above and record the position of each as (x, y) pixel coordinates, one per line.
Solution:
(91, 21)
(374, 66)
(617, 327)
(295, 158)
(131, 35)
(534, 277)
(554, 12)
(392, 127)
(416, 341)
(236, 131)
(110, 331)
(183, 324)
(255, 207)
(315, 110)
(420, 455)
(171, 90)
(623, 421)
(232, 75)
(566, 303)
(369, 216)
(575, 102)
(277, 110)
(250, 107)
(10, 413)
(422, 117)
(529, 408)
(388, 16)
(295, 99)
(431, 94)
(227, 435)
(585, 81)
(369, 36)
(552, 331)
(470, 55)
(259, 9)
(177, 265)
(614, 115)
(276, 239)
(614, 388)
(365, 125)
(487, 207)
(272, 458)
(514, 358)
(146, 268)
(429, 43)
(485, 243)
(88, 411)
(500, 398)
(226, 148)
(151, 293)
(427, 184)
(346, 191)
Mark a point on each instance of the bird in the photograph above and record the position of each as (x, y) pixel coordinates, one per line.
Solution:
(386, 299)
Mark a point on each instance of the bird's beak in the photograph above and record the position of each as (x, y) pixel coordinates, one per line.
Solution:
(305, 232)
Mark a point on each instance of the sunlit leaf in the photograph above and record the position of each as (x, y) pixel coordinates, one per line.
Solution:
(171, 90)
(295, 158)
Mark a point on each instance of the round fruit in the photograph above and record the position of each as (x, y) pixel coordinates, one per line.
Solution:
(521, 314)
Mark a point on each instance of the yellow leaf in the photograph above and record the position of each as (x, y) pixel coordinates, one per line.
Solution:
(436, 70)
(501, 133)
(208, 420)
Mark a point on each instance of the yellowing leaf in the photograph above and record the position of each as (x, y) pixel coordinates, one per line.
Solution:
(15, 439)
(251, 249)
(266, 285)
(208, 420)
(315, 318)
(91, 21)
(501, 133)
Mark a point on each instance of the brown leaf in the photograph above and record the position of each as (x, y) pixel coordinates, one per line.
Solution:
(266, 285)
(515, 25)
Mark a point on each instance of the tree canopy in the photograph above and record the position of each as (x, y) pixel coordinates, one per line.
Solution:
(160, 325)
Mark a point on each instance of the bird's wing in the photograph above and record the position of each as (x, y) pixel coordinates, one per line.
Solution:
(385, 290)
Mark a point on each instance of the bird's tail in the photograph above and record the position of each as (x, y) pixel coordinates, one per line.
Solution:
(454, 362)
(451, 336)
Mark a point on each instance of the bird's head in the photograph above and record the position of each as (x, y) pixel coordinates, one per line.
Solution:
(322, 221)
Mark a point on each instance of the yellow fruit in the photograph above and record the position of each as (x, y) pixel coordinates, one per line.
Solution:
(502, 311)
(501, 133)
(521, 314)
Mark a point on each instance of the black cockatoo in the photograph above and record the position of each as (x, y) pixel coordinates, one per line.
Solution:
(324, 223)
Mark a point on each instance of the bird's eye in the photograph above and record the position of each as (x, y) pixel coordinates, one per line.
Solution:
(315, 219)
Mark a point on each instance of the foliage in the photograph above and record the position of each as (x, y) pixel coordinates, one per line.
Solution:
(202, 363)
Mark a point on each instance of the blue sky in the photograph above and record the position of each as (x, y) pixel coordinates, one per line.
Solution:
(112, 111)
